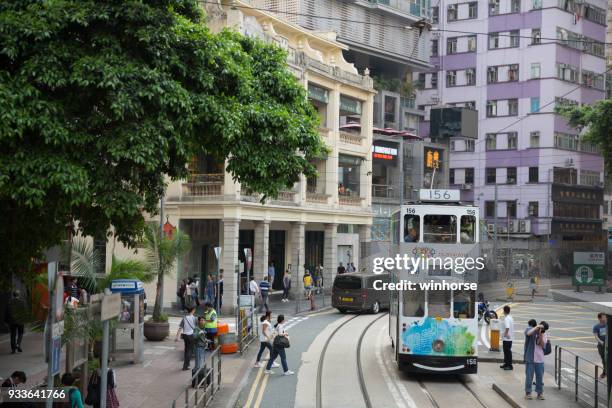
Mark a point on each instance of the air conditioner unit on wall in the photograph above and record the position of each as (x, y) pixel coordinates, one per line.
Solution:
(467, 186)
(524, 226)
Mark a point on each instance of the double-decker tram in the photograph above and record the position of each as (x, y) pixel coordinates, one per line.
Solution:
(433, 324)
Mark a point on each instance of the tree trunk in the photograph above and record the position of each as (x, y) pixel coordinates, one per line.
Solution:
(157, 310)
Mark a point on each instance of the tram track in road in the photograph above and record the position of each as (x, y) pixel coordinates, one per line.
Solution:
(463, 383)
(362, 385)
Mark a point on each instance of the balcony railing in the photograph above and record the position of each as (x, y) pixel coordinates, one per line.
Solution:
(313, 197)
(384, 191)
(350, 200)
(202, 189)
(206, 178)
(288, 196)
(351, 138)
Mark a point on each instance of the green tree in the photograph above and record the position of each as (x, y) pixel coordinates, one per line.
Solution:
(162, 254)
(100, 100)
(596, 120)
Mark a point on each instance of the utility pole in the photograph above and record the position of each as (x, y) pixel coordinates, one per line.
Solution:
(401, 175)
(495, 229)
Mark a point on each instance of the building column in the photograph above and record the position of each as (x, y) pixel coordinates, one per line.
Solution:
(298, 254)
(229, 255)
(365, 249)
(330, 254)
(262, 249)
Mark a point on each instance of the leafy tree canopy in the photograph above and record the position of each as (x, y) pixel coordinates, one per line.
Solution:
(100, 99)
(596, 120)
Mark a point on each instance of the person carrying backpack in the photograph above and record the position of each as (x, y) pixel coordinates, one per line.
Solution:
(537, 346)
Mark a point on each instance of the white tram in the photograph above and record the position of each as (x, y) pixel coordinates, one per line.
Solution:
(436, 331)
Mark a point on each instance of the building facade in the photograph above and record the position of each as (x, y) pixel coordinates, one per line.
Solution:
(514, 62)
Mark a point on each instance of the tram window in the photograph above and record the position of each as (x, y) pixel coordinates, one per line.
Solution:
(439, 304)
(440, 229)
(468, 229)
(411, 228)
(414, 303)
(463, 304)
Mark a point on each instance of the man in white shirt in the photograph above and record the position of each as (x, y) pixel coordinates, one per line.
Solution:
(253, 287)
(507, 338)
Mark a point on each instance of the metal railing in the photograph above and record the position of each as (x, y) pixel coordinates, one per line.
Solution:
(581, 377)
(204, 384)
(247, 329)
(318, 300)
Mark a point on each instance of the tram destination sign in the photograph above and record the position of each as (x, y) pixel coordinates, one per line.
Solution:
(439, 195)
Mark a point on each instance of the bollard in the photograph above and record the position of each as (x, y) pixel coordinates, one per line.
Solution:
(494, 334)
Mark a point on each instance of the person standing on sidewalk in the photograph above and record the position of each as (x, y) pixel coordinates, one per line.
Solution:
(307, 280)
(264, 290)
(507, 338)
(210, 323)
(600, 335)
(74, 394)
(14, 307)
(185, 331)
(277, 349)
(286, 286)
(200, 340)
(181, 293)
(265, 338)
(210, 289)
(534, 365)
(219, 290)
(271, 272)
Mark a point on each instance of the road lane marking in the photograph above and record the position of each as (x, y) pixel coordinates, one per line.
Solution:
(264, 382)
(254, 387)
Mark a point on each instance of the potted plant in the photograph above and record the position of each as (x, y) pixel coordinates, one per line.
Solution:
(161, 253)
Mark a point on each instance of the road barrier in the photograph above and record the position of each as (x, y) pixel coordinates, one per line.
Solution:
(581, 377)
(247, 329)
(203, 385)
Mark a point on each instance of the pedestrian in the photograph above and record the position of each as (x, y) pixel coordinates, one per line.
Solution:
(278, 347)
(341, 269)
(185, 331)
(14, 308)
(286, 285)
(535, 341)
(600, 335)
(195, 291)
(507, 338)
(210, 323)
(307, 280)
(73, 289)
(18, 377)
(253, 287)
(83, 296)
(271, 272)
(319, 281)
(264, 290)
(181, 293)
(265, 338)
(532, 286)
(210, 289)
(219, 300)
(74, 394)
(111, 383)
(200, 340)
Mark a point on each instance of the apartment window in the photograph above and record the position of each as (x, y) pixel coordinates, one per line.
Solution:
(605, 207)
(513, 72)
(511, 175)
(451, 14)
(471, 104)
(451, 45)
(515, 6)
(536, 4)
(469, 175)
(452, 146)
(534, 139)
(451, 176)
(515, 38)
(534, 174)
(532, 209)
(451, 78)
(490, 175)
(595, 14)
(470, 76)
(434, 48)
(535, 70)
(567, 73)
(491, 141)
(493, 41)
(512, 107)
(471, 43)
(535, 105)
(489, 209)
(512, 140)
(536, 36)
(589, 178)
(434, 80)
(511, 209)
(473, 10)
(435, 15)
(493, 7)
(566, 141)
(491, 109)
(492, 75)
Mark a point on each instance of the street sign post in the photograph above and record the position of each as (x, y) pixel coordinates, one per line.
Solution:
(56, 355)
(589, 269)
(110, 308)
(218, 251)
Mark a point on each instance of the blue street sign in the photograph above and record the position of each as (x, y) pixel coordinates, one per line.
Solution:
(56, 355)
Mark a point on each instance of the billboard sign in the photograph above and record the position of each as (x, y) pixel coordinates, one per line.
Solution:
(589, 269)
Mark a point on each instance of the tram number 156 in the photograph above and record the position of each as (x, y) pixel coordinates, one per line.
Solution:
(471, 362)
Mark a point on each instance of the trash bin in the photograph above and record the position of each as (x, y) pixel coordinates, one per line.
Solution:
(494, 334)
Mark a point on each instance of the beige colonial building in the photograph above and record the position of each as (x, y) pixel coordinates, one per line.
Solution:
(320, 221)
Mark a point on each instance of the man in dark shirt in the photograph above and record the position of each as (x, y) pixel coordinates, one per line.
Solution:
(264, 290)
(599, 330)
(14, 308)
(341, 269)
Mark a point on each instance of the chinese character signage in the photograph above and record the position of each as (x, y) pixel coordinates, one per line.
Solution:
(589, 269)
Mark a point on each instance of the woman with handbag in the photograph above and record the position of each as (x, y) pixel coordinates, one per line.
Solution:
(265, 338)
(94, 392)
(185, 331)
(279, 344)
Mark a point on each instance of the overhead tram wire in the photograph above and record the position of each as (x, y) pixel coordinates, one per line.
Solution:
(405, 27)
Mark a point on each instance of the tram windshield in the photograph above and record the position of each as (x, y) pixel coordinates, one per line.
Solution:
(440, 229)
(468, 229)
(412, 227)
(463, 304)
(414, 303)
(439, 304)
